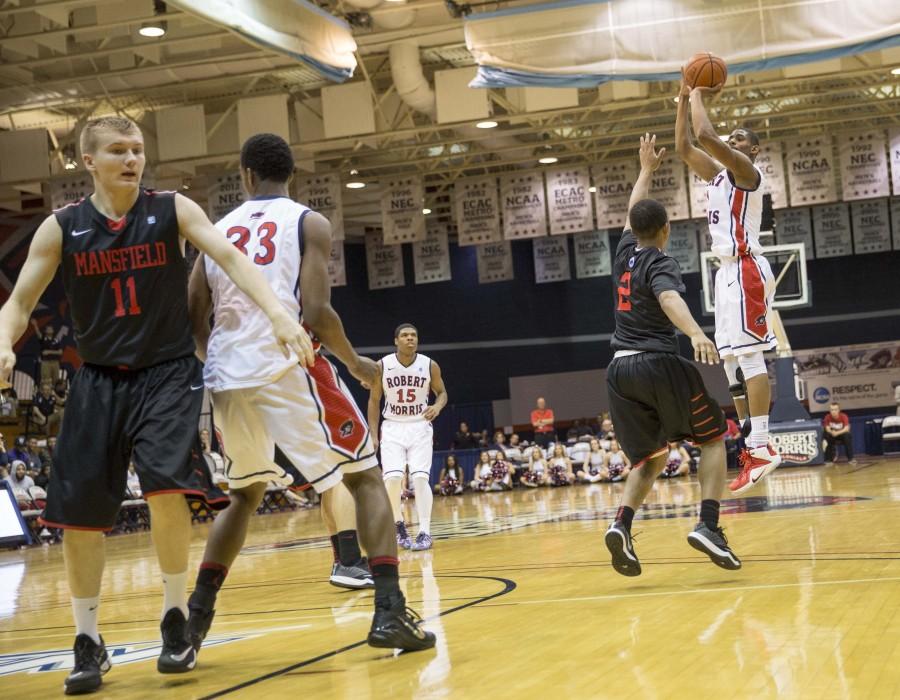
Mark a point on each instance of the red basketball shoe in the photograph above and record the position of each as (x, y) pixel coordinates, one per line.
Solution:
(755, 464)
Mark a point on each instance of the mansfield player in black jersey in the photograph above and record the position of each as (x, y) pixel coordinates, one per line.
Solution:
(139, 393)
(655, 395)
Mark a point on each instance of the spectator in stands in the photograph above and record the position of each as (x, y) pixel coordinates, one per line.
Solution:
(678, 462)
(593, 466)
(450, 481)
(464, 440)
(617, 463)
(4, 456)
(9, 402)
(536, 473)
(18, 479)
(34, 451)
(836, 431)
(43, 476)
(44, 411)
(61, 394)
(214, 461)
(133, 483)
(51, 352)
(46, 453)
(483, 440)
(20, 452)
(542, 422)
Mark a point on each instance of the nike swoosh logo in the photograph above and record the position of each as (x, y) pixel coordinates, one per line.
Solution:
(81, 233)
(183, 655)
(195, 388)
(731, 283)
(412, 628)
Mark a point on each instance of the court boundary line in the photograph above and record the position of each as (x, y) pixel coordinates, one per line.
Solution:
(508, 587)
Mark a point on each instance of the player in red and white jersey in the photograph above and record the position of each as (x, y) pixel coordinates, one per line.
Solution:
(263, 398)
(745, 286)
(407, 380)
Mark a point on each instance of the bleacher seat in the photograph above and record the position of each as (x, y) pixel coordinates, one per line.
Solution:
(890, 435)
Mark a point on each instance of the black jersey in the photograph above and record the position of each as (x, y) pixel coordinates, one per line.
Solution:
(126, 282)
(640, 276)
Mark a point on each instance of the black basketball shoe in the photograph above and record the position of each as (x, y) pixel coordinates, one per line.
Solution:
(91, 662)
(618, 542)
(177, 655)
(713, 544)
(399, 627)
(201, 612)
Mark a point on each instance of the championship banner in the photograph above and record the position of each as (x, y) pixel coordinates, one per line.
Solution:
(68, 190)
(667, 186)
(322, 193)
(384, 263)
(401, 210)
(431, 257)
(831, 226)
(524, 214)
(224, 194)
(895, 160)
(863, 357)
(337, 272)
(569, 201)
(614, 182)
(770, 160)
(683, 243)
(477, 207)
(795, 226)
(811, 175)
(494, 262)
(551, 260)
(895, 221)
(698, 199)
(592, 254)
(864, 168)
(871, 228)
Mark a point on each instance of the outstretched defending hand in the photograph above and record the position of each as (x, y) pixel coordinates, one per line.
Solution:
(291, 336)
(704, 350)
(650, 157)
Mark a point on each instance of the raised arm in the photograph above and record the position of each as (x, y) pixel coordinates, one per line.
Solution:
(373, 411)
(196, 228)
(739, 165)
(199, 306)
(680, 315)
(696, 159)
(43, 258)
(650, 161)
(440, 393)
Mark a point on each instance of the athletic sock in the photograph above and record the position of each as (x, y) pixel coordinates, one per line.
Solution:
(335, 548)
(175, 593)
(348, 547)
(386, 576)
(759, 432)
(624, 516)
(424, 501)
(209, 580)
(85, 611)
(709, 513)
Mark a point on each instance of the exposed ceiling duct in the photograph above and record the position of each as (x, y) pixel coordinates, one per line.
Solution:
(409, 78)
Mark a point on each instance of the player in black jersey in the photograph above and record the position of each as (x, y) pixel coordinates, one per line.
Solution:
(139, 393)
(655, 395)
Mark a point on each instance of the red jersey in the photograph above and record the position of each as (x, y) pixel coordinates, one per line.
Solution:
(836, 424)
(537, 414)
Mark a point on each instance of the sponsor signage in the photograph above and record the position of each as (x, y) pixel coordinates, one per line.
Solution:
(799, 443)
(860, 390)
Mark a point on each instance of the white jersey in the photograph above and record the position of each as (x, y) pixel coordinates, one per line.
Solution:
(242, 350)
(734, 216)
(406, 389)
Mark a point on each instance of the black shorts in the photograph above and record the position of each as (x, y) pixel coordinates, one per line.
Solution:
(657, 397)
(149, 415)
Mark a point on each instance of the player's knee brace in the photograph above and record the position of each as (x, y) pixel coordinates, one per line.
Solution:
(752, 365)
(736, 386)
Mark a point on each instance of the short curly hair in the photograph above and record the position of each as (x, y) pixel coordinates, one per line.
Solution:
(269, 156)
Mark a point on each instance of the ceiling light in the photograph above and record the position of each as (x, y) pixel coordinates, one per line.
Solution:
(592, 189)
(675, 99)
(548, 160)
(70, 165)
(155, 27)
(895, 71)
(426, 211)
(487, 124)
(355, 183)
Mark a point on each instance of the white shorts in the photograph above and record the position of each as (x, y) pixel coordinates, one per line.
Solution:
(309, 414)
(745, 290)
(406, 444)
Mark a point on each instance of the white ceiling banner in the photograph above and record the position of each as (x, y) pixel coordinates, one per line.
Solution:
(70, 189)
(524, 212)
(668, 186)
(864, 165)
(401, 210)
(698, 200)
(384, 263)
(684, 244)
(831, 226)
(224, 194)
(895, 159)
(614, 182)
(569, 201)
(795, 226)
(811, 171)
(592, 254)
(431, 257)
(871, 226)
(322, 193)
(551, 259)
(477, 207)
(494, 262)
(770, 161)
(337, 271)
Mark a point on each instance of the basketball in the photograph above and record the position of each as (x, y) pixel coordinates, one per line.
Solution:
(705, 70)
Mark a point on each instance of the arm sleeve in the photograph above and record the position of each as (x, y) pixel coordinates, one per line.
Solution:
(665, 275)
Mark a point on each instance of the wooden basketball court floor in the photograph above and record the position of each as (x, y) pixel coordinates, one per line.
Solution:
(521, 595)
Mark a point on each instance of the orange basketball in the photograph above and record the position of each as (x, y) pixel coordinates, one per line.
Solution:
(705, 70)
